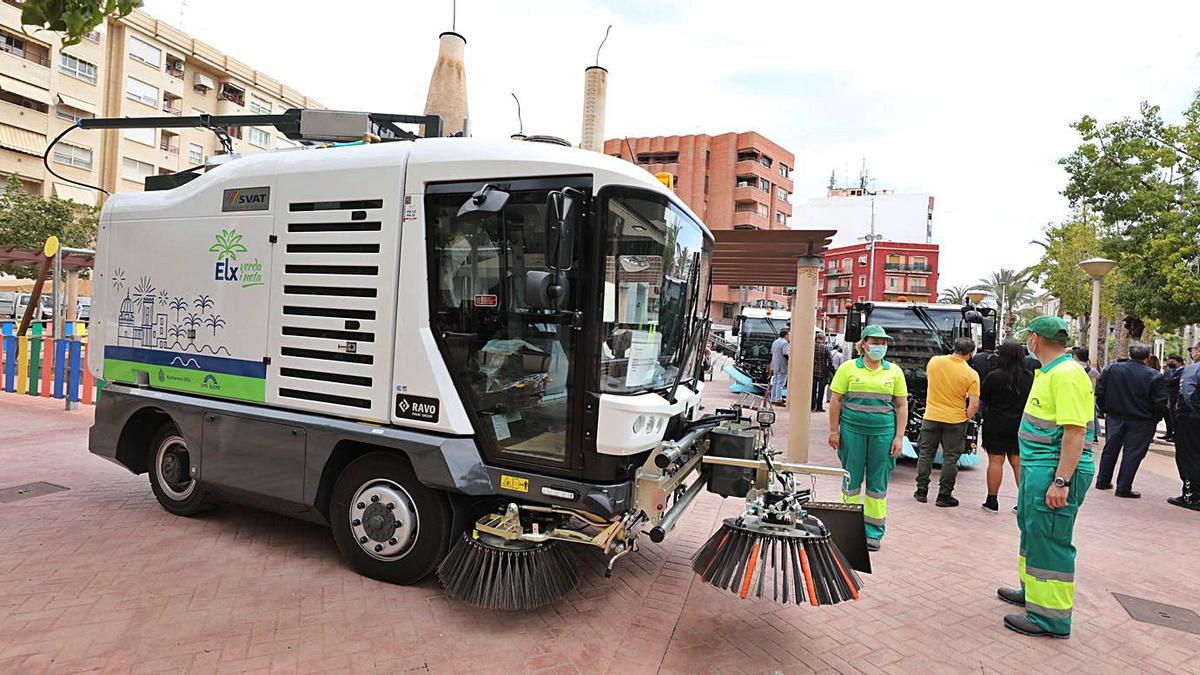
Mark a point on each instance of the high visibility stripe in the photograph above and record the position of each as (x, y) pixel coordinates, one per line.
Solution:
(1050, 613)
(1049, 594)
(1049, 575)
(1034, 437)
(876, 495)
(873, 521)
(1038, 422)
(878, 396)
(875, 508)
(852, 499)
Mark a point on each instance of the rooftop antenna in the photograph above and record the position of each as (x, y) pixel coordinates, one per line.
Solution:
(454, 15)
(606, 31)
(862, 177)
(833, 179)
(520, 123)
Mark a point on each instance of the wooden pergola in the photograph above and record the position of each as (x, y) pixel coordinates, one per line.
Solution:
(781, 258)
(71, 261)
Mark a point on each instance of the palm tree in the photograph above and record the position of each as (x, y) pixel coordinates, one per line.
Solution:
(1010, 288)
(214, 321)
(955, 295)
(203, 303)
(192, 321)
(178, 304)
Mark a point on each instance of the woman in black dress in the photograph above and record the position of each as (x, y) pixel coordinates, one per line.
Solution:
(1003, 393)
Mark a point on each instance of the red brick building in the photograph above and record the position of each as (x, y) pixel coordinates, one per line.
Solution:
(732, 181)
(903, 273)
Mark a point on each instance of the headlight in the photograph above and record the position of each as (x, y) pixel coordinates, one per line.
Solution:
(638, 424)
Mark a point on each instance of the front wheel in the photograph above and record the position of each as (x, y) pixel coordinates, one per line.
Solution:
(387, 525)
(171, 475)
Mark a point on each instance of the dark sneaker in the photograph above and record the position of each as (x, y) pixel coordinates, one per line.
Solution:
(1013, 596)
(990, 504)
(1103, 486)
(946, 501)
(872, 544)
(1021, 624)
(1193, 504)
(1127, 494)
(921, 496)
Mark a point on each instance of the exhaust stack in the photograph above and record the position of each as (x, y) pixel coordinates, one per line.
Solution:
(447, 96)
(595, 92)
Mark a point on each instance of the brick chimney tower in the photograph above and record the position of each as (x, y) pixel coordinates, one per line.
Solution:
(448, 85)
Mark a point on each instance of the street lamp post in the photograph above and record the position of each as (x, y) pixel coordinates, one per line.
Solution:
(1095, 268)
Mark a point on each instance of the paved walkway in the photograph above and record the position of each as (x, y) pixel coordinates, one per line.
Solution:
(99, 578)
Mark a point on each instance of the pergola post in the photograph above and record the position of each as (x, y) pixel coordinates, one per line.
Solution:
(800, 367)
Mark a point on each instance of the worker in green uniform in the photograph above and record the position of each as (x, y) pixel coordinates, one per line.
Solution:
(1056, 438)
(867, 415)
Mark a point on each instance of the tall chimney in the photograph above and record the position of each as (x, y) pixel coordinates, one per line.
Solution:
(448, 85)
(595, 93)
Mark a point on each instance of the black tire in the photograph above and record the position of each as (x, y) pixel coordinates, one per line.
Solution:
(405, 550)
(169, 468)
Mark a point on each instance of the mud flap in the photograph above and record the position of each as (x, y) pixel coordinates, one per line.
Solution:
(846, 525)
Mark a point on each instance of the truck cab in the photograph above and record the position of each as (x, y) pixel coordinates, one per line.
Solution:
(756, 329)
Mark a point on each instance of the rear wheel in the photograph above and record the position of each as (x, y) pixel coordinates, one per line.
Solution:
(387, 525)
(171, 475)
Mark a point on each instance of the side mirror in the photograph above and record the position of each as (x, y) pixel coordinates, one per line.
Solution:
(737, 327)
(972, 316)
(561, 213)
(853, 326)
(487, 200)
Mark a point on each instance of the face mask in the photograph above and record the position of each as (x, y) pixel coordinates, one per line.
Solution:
(877, 352)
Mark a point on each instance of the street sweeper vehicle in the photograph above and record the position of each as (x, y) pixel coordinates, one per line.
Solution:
(756, 328)
(919, 332)
(464, 356)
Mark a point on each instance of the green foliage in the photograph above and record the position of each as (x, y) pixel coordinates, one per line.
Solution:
(1058, 272)
(1010, 286)
(26, 221)
(1138, 175)
(954, 295)
(73, 19)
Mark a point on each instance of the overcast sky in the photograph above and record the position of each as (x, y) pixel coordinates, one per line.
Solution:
(968, 104)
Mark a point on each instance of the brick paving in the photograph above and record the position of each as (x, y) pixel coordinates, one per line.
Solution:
(100, 579)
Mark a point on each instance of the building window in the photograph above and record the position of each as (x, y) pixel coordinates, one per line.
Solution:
(258, 137)
(94, 36)
(139, 91)
(72, 115)
(780, 218)
(784, 170)
(17, 99)
(144, 52)
(143, 136)
(132, 169)
(234, 132)
(862, 260)
(233, 93)
(175, 67)
(25, 49)
(783, 195)
(259, 106)
(77, 68)
(195, 153)
(728, 310)
(862, 281)
(765, 161)
(657, 157)
(73, 155)
(831, 265)
(893, 282)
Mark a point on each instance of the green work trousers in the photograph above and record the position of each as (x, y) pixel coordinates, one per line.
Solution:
(1047, 557)
(867, 457)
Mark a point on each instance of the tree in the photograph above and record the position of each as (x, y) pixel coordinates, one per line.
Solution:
(1058, 272)
(73, 19)
(1010, 288)
(1138, 175)
(26, 221)
(955, 295)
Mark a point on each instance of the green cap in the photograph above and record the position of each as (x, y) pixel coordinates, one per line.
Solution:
(1053, 327)
(874, 331)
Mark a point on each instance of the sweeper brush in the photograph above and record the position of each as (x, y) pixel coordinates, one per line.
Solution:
(799, 564)
(493, 573)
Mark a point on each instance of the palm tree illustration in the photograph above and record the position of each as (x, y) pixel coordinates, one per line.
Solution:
(178, 304)
(193, 321)
(203, 303)
(176, 332)
(229, 244)
(214, 321)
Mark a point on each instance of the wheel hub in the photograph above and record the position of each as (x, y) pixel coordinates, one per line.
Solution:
(383, 519)
(174, 468)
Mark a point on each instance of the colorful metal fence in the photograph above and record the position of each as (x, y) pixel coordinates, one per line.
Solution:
(39, 364)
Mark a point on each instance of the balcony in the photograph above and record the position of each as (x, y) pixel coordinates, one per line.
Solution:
(923, 290)
(173, 106)
(23, 49)
(836, 272)
(917, 268)
(838, 290)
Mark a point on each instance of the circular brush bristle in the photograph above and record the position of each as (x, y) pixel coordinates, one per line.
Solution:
(508, 578)
(788, 564)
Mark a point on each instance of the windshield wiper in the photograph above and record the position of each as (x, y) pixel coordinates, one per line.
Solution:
(688, 339)
(923, 315)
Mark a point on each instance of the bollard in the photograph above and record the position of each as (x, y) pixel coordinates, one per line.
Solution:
(74, 361)
(35, 360)
(22, 363)
(89, 385)
(9, 347)
(47, 367)
(60, 367)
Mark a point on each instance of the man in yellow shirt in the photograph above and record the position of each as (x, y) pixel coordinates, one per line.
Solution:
(951, 399)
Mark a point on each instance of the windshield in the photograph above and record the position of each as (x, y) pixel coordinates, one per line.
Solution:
(763, 328)
(946, 320)
(655, 291)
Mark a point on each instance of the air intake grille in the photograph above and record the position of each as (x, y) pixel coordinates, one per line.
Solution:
(329, 352)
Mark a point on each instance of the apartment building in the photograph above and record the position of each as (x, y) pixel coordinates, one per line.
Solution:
(732, 181)
(902, 273)
(132, 67)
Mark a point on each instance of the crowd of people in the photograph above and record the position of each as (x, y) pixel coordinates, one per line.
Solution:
(1040, 406)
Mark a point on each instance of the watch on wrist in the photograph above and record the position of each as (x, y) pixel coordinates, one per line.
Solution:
(1059, 481)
